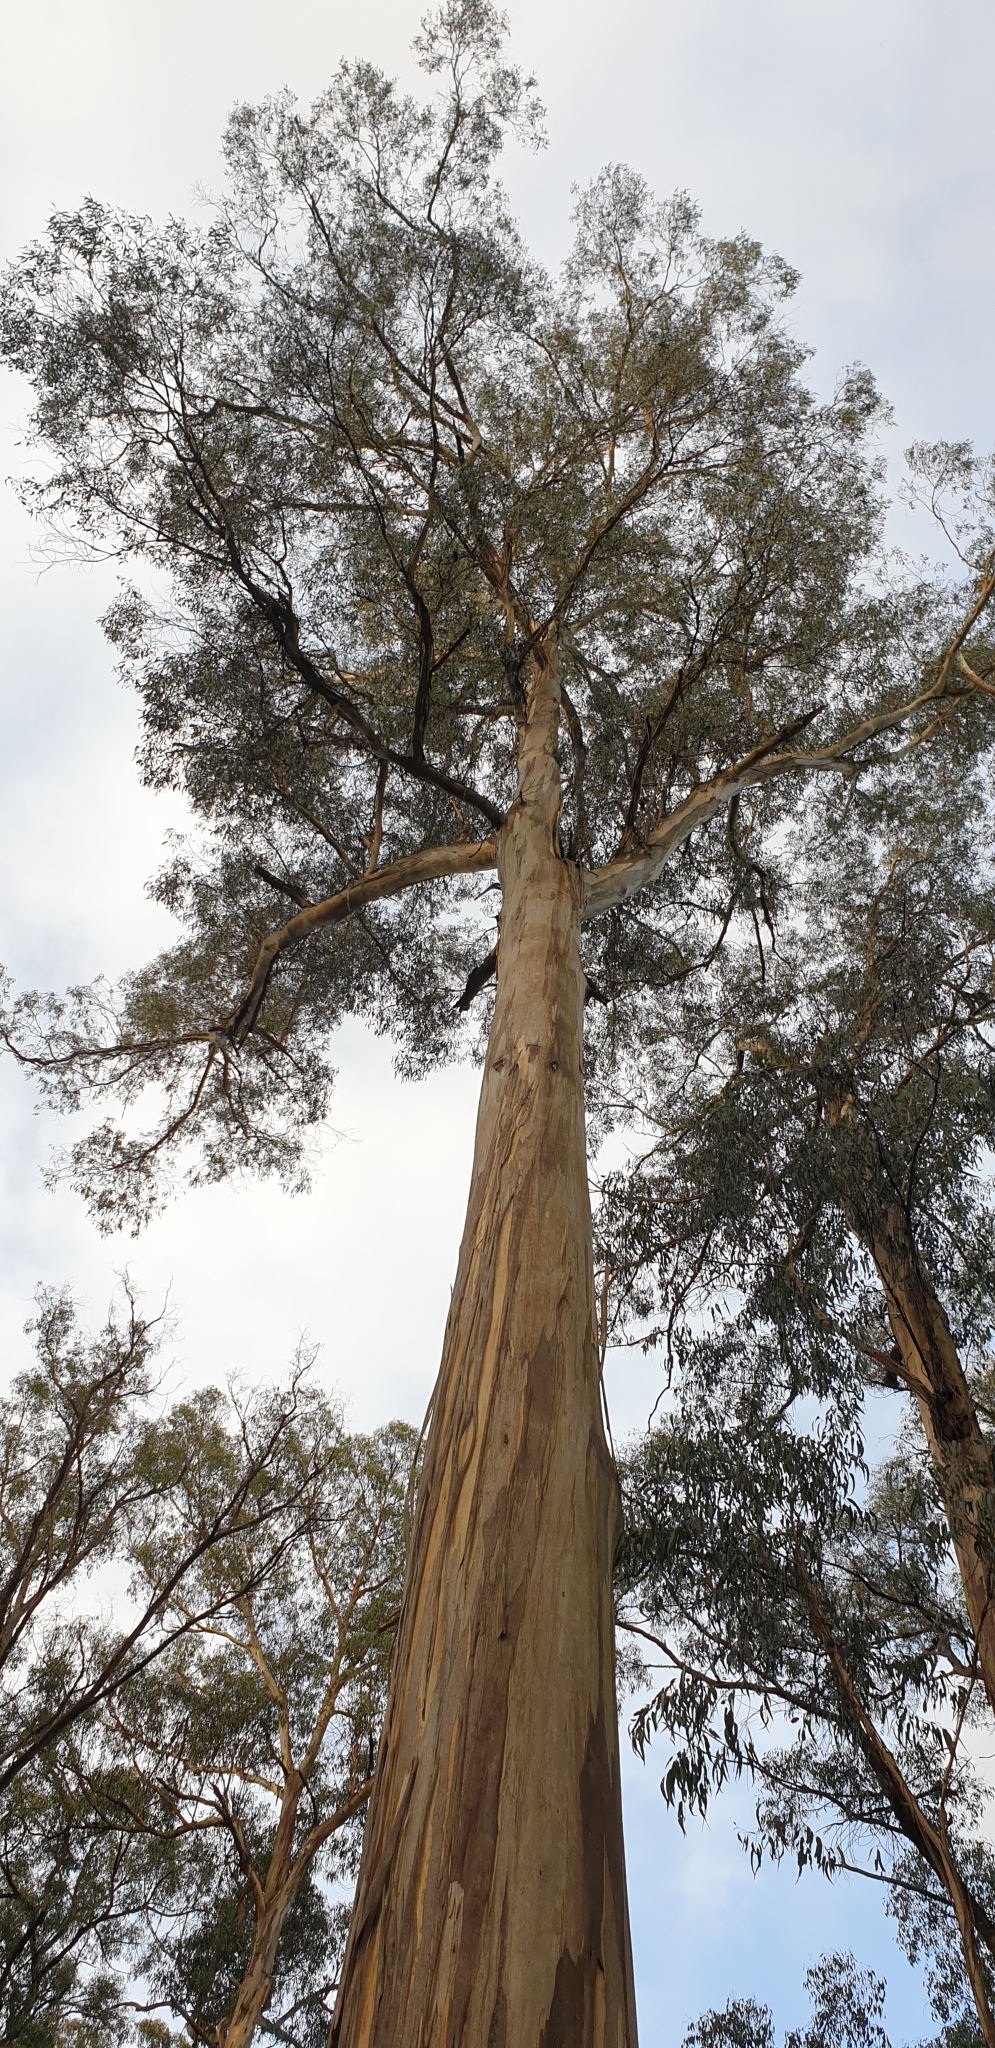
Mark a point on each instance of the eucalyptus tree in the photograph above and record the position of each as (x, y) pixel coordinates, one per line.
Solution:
(470, 571)
(812, 1215)
(930, 1940)
(68, 1477)
(71, 1886)
(183, 1833)
(846, 2003)
(815, 1641)
(248, 1754)
(86, 1469)
(829, 1155)
(261, 1527)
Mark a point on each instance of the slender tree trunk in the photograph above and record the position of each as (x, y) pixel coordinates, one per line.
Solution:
(963, 1458)
(282, 1878)
(253, 1992)
(962, 1455)
(931, 1842)
(491, 1908)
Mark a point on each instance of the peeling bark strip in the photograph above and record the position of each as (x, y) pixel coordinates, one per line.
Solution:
(491, 1909)
(961, 1454)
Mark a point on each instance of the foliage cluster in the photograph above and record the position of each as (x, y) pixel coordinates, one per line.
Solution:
(376, 458)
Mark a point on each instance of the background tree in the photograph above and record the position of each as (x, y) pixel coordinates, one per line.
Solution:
(85, 1468)
(228, 1528)
(816, 1211)
(72, 1886)
(930, 1939)
(826, 1147)
(248, 1754)
(847, 2004)
(68, 1476)
(822, 1648)
(458, 551)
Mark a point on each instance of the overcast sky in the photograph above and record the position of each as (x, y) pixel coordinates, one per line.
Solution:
(856, 138)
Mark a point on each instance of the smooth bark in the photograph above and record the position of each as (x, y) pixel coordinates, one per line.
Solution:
(273, 1903)
(491, 1908)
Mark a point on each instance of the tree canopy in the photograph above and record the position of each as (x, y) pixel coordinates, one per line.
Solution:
(86, 1468)
(182, 1800)
(378, 456)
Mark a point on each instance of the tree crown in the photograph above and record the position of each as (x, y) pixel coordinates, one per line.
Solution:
(383, 462)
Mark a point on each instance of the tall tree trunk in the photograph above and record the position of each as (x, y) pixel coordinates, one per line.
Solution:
(962, 1455)
(491, 1908)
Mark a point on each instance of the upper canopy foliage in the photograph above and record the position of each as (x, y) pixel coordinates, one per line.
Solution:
(378, 456)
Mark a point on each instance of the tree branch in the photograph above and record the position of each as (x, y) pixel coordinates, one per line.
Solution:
(285, 624)
(606, 887)
(433, 864)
